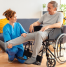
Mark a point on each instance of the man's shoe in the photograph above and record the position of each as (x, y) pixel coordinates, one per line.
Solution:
(31, 60)
(2, 48)
(10, 61)
(2, 45)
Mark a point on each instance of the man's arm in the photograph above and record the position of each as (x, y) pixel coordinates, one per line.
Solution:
(31, 28)
(36, 23)
(56, 25)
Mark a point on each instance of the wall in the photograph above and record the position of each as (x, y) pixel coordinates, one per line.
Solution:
(24, 8)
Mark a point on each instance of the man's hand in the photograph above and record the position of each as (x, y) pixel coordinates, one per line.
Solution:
(31, 29)
(9, 46)
(24, 34)
(44, 28)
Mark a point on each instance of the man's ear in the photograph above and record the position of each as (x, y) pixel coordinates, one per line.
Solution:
(55, 9)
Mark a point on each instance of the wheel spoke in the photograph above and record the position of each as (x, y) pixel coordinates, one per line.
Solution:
(51, 62)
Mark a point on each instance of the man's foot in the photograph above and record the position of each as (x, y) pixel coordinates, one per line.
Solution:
(10, 61)
(30, 60)
(2, 45)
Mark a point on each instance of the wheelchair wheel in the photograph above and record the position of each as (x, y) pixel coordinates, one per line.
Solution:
(60, 48)
(51, 62)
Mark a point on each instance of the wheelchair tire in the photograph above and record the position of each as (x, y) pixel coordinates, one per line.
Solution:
(51, 62)
(60, 48)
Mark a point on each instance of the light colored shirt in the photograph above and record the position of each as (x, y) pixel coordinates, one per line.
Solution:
(48, 19)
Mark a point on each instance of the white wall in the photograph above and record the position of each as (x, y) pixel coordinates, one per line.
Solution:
(24, 8)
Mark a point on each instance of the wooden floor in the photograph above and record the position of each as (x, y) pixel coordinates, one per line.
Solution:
(4, 62)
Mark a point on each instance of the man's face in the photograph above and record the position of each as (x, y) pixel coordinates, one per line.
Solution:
(50, 8)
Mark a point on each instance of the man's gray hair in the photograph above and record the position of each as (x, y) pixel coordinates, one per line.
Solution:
(55, 4)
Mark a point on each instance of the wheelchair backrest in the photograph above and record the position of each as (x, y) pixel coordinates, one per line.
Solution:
(54, 33)
(37, 28)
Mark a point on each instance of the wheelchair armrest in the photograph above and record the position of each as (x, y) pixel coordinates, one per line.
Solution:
(37, 28)
(54, 33)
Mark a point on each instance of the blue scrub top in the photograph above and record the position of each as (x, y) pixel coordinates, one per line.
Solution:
(10, 32)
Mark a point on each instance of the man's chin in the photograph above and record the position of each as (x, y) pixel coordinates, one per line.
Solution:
(49, 13)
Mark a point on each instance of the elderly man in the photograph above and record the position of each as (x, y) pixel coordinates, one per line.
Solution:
(51, 19)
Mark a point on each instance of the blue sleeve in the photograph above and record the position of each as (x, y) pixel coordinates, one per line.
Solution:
(6, 34)
(22, 29)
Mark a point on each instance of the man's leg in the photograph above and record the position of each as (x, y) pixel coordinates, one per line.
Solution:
(40, 36)
(18, 40)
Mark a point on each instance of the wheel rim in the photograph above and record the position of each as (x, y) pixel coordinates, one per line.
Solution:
(61, 48)
(51, 62)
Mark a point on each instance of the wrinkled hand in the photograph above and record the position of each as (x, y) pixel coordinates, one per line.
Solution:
(9, 46)
(24, 34)
(44, 28)
(31, 29)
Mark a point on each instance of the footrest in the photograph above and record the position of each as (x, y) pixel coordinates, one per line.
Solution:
(1, 48)
(37, 63)
(39, 58)
(27, 53)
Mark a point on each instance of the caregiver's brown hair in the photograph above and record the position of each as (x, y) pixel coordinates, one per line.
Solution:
(9, 13)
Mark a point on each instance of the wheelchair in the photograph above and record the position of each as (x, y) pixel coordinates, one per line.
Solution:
(57, 39)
